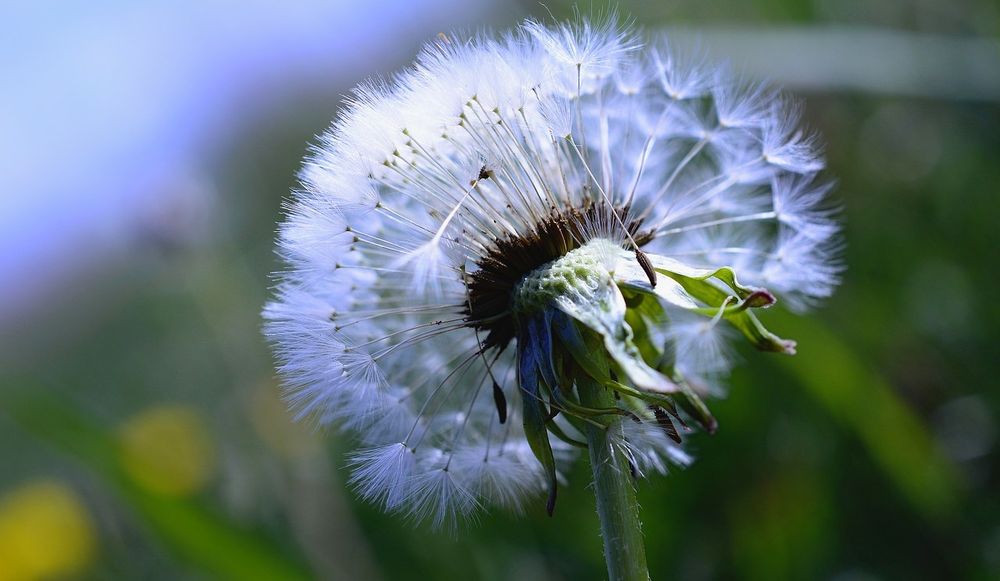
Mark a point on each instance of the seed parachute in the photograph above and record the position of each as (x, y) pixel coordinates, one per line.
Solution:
(515, 218)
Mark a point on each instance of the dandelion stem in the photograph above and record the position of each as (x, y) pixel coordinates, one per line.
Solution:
(617, 506)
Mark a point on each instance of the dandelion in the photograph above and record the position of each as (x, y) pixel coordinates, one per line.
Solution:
(529, 245)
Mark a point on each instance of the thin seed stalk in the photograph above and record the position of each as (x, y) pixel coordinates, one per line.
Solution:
(617, 506)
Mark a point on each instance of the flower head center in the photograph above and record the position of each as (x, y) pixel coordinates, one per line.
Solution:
(493, 285)
(579, 273)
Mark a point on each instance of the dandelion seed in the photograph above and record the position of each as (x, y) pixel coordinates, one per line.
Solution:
(513, 218)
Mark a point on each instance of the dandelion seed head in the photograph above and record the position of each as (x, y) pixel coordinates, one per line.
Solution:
(513, 213)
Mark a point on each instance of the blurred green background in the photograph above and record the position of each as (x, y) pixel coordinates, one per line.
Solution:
(142, 434)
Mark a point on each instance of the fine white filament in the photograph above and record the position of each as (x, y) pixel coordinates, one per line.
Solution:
(480, 140)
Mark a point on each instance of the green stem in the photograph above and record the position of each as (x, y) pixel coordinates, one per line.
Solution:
(616, 503)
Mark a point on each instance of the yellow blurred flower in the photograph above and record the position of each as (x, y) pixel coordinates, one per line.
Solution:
(45, 532)
(167, 450)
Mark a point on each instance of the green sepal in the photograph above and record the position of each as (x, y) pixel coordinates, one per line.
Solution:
(539, 335)
(586, 349)
(691, 402)
(558, 432)
(750, 325)
(535, 415)
(726, 274)
(603, 312)
(554, 375)
(643, 315)
(759, 299)
(740, 316)
(627, 391)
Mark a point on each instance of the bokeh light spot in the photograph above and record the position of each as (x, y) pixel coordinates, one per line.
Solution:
(45, 532)
(167, 450)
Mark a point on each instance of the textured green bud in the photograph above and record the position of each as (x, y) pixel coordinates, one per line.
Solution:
(578, 276)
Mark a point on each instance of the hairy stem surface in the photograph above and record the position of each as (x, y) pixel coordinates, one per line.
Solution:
(617, 507)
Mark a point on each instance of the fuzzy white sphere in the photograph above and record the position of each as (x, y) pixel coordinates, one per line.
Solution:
(485, 141)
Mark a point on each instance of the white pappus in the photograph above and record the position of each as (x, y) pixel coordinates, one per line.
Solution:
(513, 214)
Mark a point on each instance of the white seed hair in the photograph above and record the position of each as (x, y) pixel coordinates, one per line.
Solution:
(479, 140)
